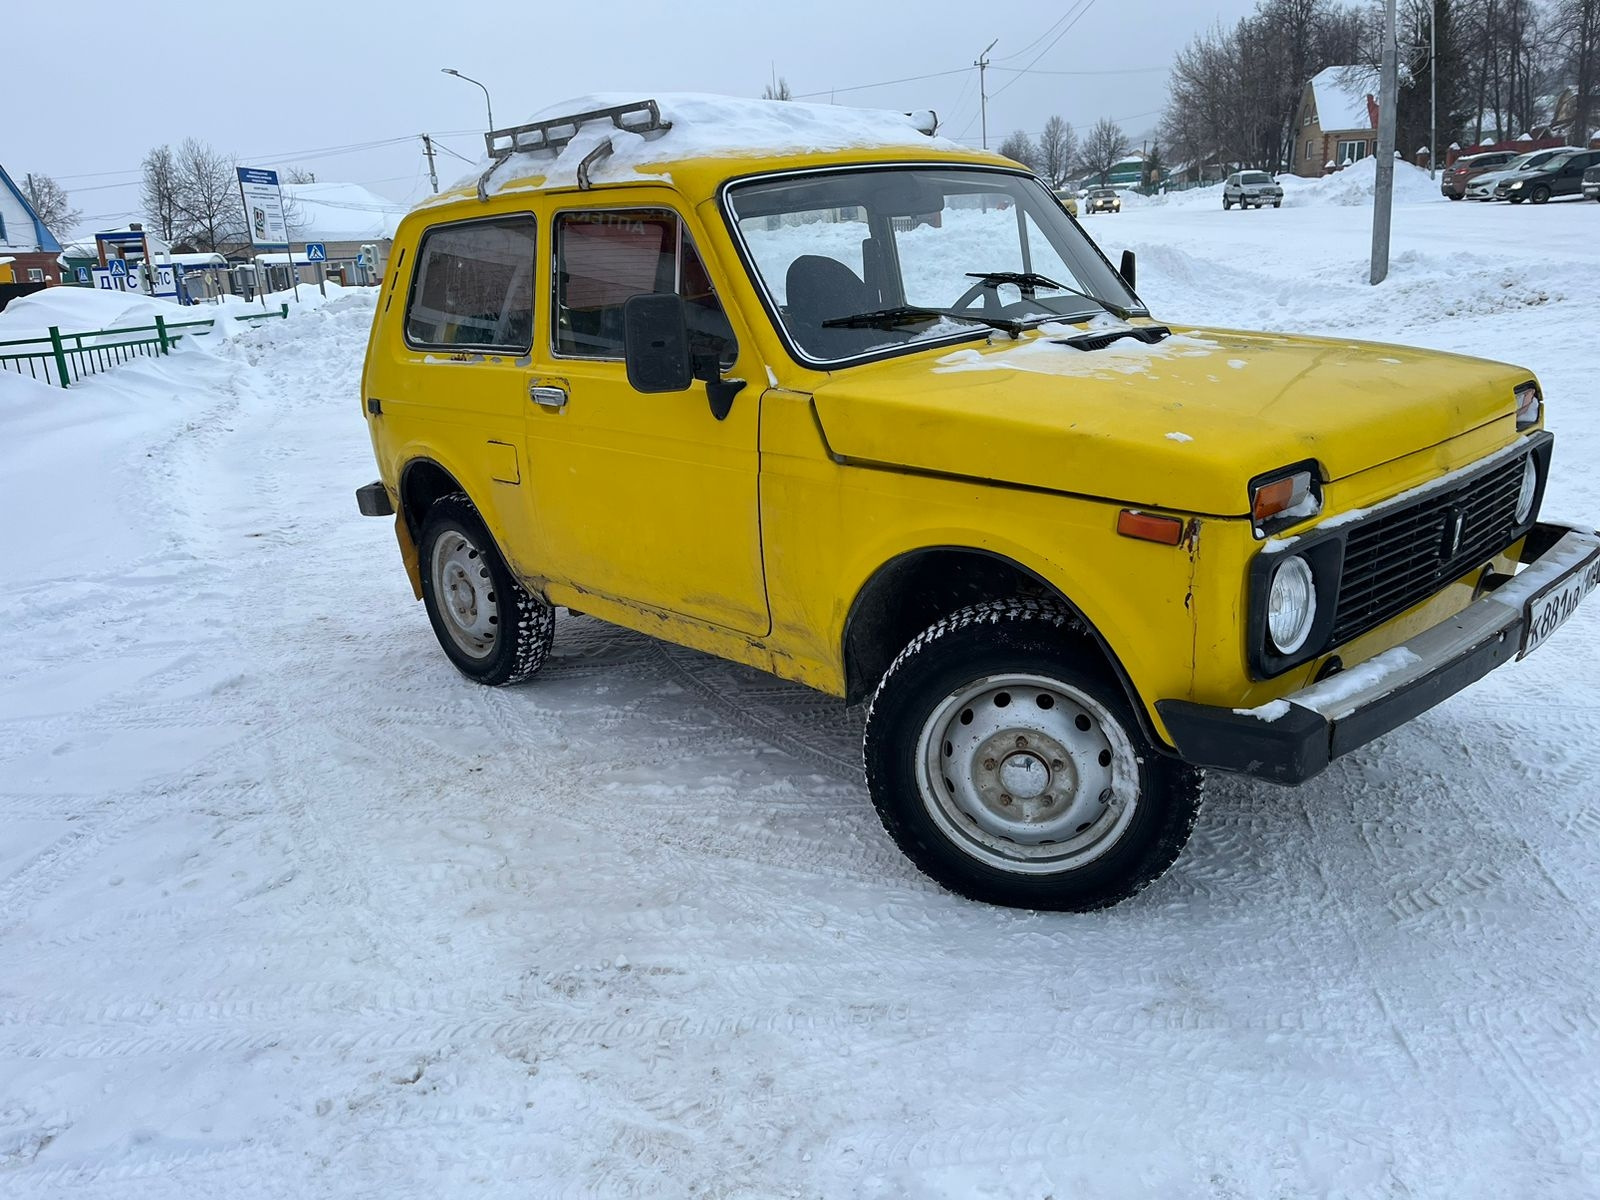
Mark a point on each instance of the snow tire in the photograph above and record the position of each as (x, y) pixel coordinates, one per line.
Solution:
(515, 634)
(1034, 656)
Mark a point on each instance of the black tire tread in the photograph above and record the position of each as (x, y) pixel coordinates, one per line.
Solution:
(1177, 788)
(532, 621)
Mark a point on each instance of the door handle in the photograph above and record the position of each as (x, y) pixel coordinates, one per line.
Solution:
(551, 399)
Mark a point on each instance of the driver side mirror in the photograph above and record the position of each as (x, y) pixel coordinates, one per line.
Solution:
(655, 344)
(1129, 270)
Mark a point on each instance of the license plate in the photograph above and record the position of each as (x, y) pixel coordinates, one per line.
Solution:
(1549, 610)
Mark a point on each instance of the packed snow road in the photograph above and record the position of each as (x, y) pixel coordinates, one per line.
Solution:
(287, 908)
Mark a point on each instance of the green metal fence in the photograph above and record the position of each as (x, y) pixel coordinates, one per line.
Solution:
(63, 359)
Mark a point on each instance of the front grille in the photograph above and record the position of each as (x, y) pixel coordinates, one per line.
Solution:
(1402, 557)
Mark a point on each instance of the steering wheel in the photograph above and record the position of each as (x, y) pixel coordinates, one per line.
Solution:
(989, 290)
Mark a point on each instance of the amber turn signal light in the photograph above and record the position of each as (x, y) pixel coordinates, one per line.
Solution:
(1166, 530)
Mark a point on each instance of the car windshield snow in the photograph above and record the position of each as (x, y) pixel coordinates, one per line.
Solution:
(866, 262)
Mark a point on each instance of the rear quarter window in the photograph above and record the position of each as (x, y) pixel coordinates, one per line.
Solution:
(472, 287)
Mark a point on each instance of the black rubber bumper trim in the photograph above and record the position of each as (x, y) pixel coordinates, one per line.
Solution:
(373, 501)
(1301, 743)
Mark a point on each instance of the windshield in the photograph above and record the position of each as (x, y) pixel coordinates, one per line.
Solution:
(870, 261)
(1254, 177)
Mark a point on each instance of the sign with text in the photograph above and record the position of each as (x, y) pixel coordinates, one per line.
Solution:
(263, 208)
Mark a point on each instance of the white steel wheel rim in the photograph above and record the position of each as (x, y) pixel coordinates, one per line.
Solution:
(1026, 774)
(463, 587)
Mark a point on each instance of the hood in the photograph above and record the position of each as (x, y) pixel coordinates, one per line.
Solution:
(1183, 424)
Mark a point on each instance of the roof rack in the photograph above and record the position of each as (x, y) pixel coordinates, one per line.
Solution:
(642, 116)
(558, 131)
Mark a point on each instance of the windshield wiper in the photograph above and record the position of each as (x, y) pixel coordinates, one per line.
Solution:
(1032, 279)
(906, 314)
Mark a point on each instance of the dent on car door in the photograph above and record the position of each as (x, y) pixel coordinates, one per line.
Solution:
(647, 500)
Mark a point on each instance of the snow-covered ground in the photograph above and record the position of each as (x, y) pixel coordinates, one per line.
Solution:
(287, 908)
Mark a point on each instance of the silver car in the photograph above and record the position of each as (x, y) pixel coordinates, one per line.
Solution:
(1251, 189)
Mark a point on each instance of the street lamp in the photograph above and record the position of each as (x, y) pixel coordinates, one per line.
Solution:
(470, 79)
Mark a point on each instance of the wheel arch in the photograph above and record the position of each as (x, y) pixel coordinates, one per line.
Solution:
(916, 588)
(423, 482)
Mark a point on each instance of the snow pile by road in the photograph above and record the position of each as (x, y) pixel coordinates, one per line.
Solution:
(287, 909)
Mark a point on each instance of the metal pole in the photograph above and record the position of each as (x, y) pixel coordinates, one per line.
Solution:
(1433, 81)
(1383, 194)
(487, 103)
(983, 98)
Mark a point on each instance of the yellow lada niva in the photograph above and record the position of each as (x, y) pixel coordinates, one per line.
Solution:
(815, 391)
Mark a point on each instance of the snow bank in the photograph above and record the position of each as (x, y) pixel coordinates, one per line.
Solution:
(703, 126)
(1356, 184)
(75, 308)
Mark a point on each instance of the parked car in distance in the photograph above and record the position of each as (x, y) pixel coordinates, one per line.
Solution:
(1251, 189)
(1591, 183)
(1482, 187)
(710, 370)
(1103, 199)
(1457, 175)
(1560, 176)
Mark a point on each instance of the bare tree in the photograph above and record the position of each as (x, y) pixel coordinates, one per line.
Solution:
(297, 175)
(50, 204)
(1058, 147)
(207, 198)
(778, 89)
(158, 192)
(1103, 149)
(1575, 28)
(1019, 146)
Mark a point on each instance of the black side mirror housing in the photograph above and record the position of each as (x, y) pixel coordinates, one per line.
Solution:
(1129, 270)
(655, 344)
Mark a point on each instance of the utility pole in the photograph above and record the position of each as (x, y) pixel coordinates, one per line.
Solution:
(983, 98)
(1383, 193)
(433, 176)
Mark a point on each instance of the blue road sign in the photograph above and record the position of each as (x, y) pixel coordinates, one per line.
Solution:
(118, 267)
(83, 274)
(316, 252)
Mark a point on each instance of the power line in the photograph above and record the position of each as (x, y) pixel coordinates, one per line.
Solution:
(1114, 71)
(862, 87)
(1078, 15)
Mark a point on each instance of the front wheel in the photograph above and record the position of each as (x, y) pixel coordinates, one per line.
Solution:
(1541, 194)
(492, 628)
(1006, 763)
(1226, 204)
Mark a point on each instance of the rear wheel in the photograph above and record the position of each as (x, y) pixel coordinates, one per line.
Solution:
(1007, 764)
(492, 628)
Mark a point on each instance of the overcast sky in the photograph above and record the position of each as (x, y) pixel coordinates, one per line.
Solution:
(90, 85)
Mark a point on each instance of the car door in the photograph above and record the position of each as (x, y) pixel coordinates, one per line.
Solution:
(1570, 182)
(647, 500)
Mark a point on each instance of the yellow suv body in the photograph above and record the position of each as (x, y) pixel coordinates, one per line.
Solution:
(814, 391)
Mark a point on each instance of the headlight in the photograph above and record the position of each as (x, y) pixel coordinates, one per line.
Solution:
(1516, 185)
(1291, 605)
(1530, 405)
(1530, 485)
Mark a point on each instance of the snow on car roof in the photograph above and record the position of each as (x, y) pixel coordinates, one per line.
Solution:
(1341, 97)
(704, 126)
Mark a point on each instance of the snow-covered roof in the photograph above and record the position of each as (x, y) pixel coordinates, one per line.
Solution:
(339, 212)
(706, 126)
(1341, 95)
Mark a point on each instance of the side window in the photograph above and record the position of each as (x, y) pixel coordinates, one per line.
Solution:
(473, 287)
(605, 257)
